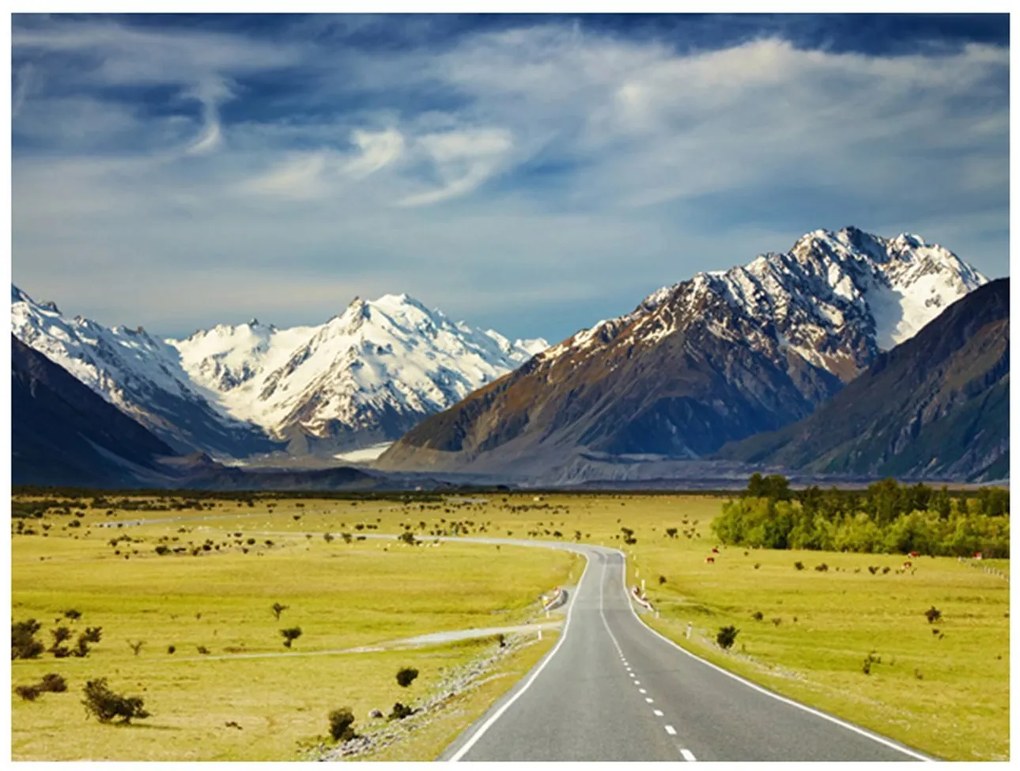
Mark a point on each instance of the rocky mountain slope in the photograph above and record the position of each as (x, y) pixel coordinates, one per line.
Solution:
(63, 433)
(365, 376)
(137, 373)
(713, 359)
(935, 407)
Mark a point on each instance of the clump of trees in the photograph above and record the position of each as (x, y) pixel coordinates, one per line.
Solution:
(885, 518)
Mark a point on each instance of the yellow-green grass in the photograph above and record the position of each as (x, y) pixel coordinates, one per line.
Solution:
(944, 692)
(947, 695)
(341, 595)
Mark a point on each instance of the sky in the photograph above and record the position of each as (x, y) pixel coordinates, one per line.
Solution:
(531, 174)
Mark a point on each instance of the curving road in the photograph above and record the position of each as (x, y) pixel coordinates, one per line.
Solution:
(613, 689)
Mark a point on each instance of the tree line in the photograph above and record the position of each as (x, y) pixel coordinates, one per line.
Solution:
(886, 517)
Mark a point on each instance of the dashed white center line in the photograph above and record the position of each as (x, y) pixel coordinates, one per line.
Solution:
(670, 730)
(649, 700)
(657, 712)
(641, 690)
(688, 755)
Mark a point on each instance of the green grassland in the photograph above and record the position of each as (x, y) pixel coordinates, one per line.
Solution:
(342, 595)
(945, 693)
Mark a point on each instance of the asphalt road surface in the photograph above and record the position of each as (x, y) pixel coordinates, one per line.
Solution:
(612, 689)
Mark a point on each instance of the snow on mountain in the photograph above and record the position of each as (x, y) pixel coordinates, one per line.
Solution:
(137, 373)
(835, 299)
(364, 376)
(716, 358)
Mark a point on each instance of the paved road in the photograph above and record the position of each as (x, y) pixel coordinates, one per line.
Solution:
(614, 690)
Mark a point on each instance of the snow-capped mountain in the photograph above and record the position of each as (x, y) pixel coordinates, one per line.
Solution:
(136, 372)
(365, 376)
(715, 358)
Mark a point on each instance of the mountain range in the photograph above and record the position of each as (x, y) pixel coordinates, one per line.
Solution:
(779, 363)
(710, 360)
(936, 406)
(236, 391)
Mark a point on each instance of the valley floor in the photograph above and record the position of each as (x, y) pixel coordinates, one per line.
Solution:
(229, 690)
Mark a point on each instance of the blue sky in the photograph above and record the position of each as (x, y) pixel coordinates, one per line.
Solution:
(533, 174)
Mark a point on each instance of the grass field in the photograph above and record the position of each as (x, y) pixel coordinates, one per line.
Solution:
(342, 596)
(946, 693)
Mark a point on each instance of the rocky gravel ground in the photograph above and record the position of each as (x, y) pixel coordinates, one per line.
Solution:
(382, 733)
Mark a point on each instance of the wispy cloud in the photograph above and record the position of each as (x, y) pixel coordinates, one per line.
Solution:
(433, 153)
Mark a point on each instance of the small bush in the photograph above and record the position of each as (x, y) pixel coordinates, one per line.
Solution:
(406, 676)
(23, 642)
(757, 615)
(868, 661)
(799, 565)
(290, 635)
(822, 568)
(662, 580)
(27, 692)
(278, 609)
(340, 724)
(52, 683)
(726, 636)
(171, 649)
(105, 705)
(933, 614)
(400, 711)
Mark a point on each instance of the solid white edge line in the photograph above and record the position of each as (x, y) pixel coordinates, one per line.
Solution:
(534, 675)
(810, 710)
(688, 755)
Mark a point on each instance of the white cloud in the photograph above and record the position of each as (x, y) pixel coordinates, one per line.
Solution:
(376, 150)
(462, 160)
(622, 163)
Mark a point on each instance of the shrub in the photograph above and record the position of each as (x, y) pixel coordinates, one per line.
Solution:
(27, 692)
(290, 635)
(822, 568)
(60, 634)
(340, 724)
(933, 614)
(799, 565)
(757, 615)
(400, 711)
(726, 636)
(72, 614)
(52, 683)
(105, 705)
(662, 580)
(23, 642)
(406, 676)
(278, 609)
(868, 661)
(408, 537)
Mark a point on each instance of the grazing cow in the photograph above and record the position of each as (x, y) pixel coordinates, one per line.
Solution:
(906, 564)
(709, 559)
(715, 550)
(915, 554)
